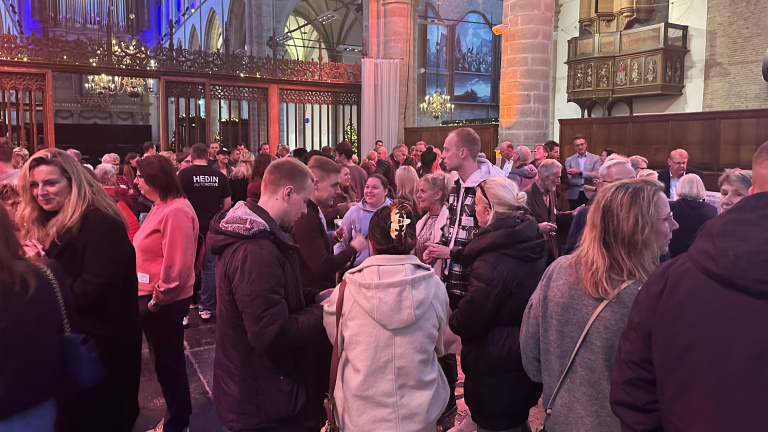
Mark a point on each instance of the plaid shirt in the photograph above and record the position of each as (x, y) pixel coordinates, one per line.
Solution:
(455, 274)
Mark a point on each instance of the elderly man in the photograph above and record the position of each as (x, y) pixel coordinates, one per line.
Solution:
(693, 352)
(613, 171)
(541, 198)
(387, 166)
(678, 167)
(582, 169)
(506, 149)
(522, 173)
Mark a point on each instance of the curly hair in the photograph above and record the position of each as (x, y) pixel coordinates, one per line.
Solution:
(380, 230)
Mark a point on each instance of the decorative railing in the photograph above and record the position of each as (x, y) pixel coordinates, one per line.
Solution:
(57, 50)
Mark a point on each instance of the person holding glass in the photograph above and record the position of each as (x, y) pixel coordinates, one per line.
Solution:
(359, 216)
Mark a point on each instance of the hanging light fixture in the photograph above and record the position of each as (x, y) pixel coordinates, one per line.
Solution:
(436, 105)
(104, 85)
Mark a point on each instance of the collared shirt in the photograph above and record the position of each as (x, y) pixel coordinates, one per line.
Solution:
(508, 165)
(582, 160)
(673, 186)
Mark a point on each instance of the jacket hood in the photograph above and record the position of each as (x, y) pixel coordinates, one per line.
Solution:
(526, 171)
(729, 248)
(486, 171)
(364, 206)
(246, 220)
(518, 239)
(394, 290)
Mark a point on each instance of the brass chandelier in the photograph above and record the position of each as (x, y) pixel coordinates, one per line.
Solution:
(104, 85)
(436, 105)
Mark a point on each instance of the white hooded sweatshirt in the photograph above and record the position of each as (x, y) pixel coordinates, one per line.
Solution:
(392, 327)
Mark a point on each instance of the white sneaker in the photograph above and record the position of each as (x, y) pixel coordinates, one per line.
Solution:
(185, 321)
(205, 315)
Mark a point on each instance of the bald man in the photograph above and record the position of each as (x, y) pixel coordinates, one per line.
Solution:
(678, 167)
(696, 334)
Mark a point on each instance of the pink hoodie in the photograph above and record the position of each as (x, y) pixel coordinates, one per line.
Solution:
(165, 251)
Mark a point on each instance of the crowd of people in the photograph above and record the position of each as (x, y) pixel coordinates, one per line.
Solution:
(636, 308)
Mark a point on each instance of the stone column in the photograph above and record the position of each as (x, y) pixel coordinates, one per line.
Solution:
(392, 35)
(526, 68)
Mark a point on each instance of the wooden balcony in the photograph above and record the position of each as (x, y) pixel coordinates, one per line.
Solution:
(607, 68)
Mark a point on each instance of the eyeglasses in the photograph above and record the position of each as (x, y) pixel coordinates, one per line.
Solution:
(482, 191)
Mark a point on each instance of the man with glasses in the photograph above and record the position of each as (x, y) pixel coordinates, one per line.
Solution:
(613, 171)
(678, 167)
(582, 168)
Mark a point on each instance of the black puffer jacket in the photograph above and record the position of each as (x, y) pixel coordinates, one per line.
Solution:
(507, 260)
(271, 367)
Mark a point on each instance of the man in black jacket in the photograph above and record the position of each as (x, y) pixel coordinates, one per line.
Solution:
(678, 167)
(269, 334)
(389, 165)
(318, 263)
(693, 352)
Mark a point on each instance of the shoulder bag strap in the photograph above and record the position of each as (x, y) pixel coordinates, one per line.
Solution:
(60, 298)
(329, 403)
(576, 349)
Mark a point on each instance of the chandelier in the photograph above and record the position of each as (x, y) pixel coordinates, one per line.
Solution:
(103, 85)
(436, 105)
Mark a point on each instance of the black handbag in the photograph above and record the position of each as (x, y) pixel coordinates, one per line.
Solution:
(80, 352)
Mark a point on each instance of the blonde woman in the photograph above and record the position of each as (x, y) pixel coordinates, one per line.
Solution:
(66, 216)
(628, 228)
(241, 176)
(406, 183)
(691, 212)
(431, 195)
(506, 259)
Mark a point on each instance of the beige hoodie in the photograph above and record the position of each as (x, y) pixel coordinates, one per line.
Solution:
(392, 327)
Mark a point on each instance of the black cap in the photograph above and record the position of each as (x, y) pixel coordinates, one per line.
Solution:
(224, 150)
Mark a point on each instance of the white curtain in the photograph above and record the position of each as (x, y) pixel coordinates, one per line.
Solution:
(380, 104)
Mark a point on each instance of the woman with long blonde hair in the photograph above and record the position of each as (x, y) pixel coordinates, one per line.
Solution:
(241, 176)
(66, 216)
(628, 228)
(407, 185)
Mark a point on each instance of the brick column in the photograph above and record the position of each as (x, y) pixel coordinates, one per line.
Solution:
(392, 35)
(526, 68)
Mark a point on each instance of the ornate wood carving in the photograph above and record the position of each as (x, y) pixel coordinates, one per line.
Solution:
(641, 62)
(22, 81)
(184, 90)
(58, 50)
(250, 94)
(318, 98)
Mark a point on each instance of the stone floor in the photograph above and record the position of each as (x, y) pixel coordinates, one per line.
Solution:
(199, 350)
